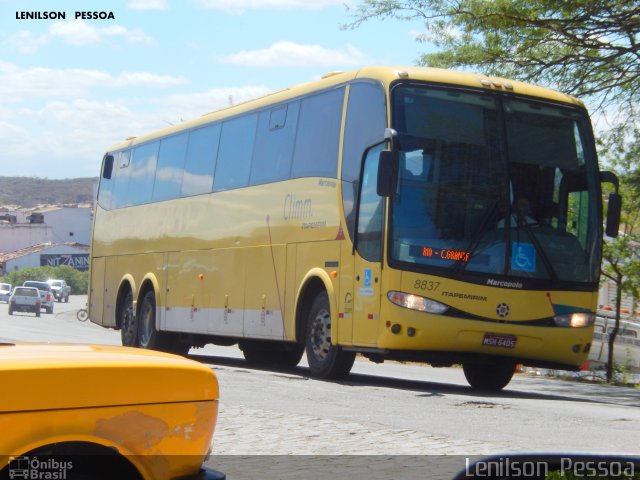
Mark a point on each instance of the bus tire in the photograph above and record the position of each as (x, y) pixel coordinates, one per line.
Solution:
(291, 354)
(325, 360)
(152, 339)
(128, 322)
(148, 336)
(489, 376)
(271, 353)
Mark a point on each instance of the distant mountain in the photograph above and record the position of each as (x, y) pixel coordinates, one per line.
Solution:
(28, 192)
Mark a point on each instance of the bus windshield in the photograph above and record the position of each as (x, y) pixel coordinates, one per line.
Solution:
(493, 185)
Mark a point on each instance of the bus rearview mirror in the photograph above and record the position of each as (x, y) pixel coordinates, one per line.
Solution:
(613, 215)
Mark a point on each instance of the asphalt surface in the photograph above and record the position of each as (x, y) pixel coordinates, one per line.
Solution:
(384, 421)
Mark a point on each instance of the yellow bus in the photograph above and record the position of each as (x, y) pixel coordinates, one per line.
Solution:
(412, 214)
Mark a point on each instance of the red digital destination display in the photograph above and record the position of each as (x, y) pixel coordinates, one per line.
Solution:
(445, 254)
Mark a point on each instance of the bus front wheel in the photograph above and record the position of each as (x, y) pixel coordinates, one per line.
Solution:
(325, 360)
(489, 376)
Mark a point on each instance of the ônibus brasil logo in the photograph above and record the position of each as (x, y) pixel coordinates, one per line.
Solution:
(32, 468)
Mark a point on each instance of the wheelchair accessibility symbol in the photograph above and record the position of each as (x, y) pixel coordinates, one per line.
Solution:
(523, 257)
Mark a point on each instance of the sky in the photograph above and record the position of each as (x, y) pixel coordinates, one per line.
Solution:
(69, 88)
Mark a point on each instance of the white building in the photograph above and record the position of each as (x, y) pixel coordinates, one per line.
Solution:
(54, 225)
(69, 223)
(52, 255)
(15, 236)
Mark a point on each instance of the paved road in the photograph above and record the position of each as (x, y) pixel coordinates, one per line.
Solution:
(384, 418)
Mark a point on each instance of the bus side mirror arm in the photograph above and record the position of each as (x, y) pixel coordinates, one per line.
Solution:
(614, 207)
(384, 186)
(385, 173)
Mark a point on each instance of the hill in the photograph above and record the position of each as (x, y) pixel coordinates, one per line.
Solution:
(28, 192)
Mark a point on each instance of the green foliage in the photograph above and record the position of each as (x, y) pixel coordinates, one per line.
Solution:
(582, 47)
(588, 48)
(78, 281)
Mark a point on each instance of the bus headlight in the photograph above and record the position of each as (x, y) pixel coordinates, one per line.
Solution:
(575, 320)
(416, 302)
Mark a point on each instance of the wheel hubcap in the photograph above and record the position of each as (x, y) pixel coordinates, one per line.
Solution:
(321, 334)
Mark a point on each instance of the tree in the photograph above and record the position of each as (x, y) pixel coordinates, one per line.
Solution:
(588, 48)
(624, 271)
(622, 255)
(78, 281)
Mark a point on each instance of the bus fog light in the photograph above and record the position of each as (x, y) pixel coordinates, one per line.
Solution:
(575, 320)
(416, 302)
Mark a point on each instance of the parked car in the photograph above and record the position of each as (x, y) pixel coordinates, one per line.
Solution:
(25, 299)
(5, 292)
(46, 296)
(103, 412)
(60, 290)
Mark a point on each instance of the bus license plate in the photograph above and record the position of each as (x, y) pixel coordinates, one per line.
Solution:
(502, 341)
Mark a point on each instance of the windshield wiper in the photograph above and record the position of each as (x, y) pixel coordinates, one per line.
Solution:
(462, 262)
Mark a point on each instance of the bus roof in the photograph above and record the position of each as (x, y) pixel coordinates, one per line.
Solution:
(386, 75)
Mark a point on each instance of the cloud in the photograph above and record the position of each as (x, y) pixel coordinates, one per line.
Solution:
(289, 54)
(240, 6)
(24, 41)
(11, 134)
(16, 82)
(148, 5)
(188, 106)
(73, 134)
(74, 32)
(79, 32)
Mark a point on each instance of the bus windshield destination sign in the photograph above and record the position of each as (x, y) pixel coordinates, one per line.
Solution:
(440, 253)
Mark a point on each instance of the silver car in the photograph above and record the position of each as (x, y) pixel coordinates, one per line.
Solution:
(46, 296)
(5, 292)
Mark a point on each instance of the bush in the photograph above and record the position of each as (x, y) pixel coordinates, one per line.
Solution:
(78, 281)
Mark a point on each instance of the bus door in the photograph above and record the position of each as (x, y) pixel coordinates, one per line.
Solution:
(368, 255)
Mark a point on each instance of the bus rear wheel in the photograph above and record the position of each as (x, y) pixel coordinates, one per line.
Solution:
(489, 376)
(325, 360)
(128, 322)
(151, 338)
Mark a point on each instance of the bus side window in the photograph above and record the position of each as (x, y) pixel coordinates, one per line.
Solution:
(142, 174)
(318, 135)
(121, 184)
(169, 172)
(236, 150)
(275, 139)
(201, 160)
(364, 126)
(371, 210)
(105, 192)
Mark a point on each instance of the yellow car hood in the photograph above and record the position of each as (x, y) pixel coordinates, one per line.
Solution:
(44, 376)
